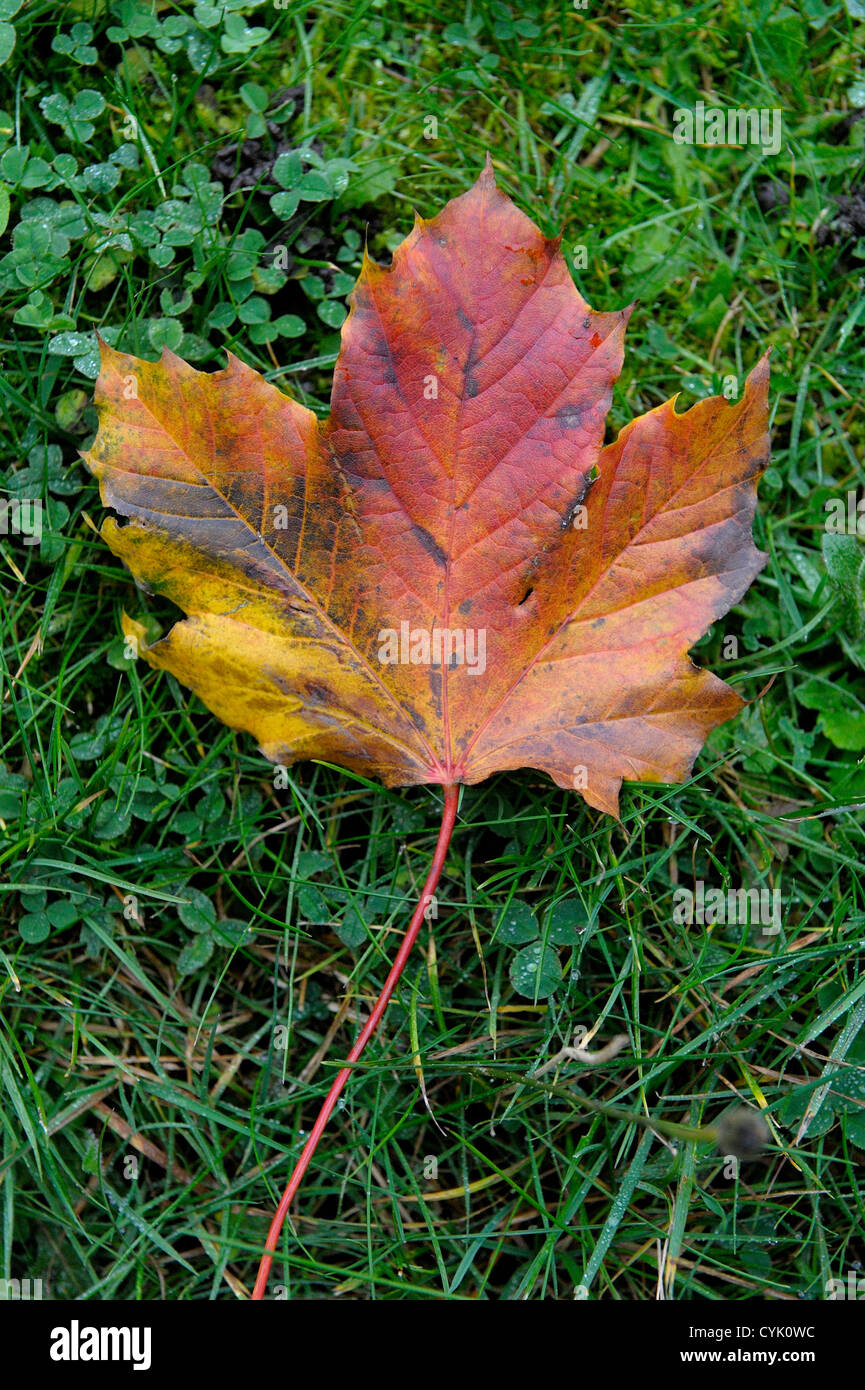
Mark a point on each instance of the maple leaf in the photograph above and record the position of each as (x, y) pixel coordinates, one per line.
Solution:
(451, 575)
(401, 588)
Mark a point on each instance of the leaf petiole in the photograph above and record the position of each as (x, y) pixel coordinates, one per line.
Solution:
(449, 811)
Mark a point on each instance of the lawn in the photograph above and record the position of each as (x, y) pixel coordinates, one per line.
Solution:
(189, 939)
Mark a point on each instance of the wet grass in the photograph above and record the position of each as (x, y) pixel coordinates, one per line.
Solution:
(188, 948)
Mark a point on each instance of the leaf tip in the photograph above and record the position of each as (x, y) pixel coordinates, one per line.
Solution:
(235, 366)
(107, 353)
(167, 358)
(760, 374)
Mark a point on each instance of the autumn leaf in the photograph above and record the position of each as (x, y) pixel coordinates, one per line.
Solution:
(429, 586)
(451, 575)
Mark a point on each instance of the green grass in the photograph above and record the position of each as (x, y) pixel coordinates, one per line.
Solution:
(186, 947)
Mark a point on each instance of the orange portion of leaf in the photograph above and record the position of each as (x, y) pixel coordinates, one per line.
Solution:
(435, 506)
